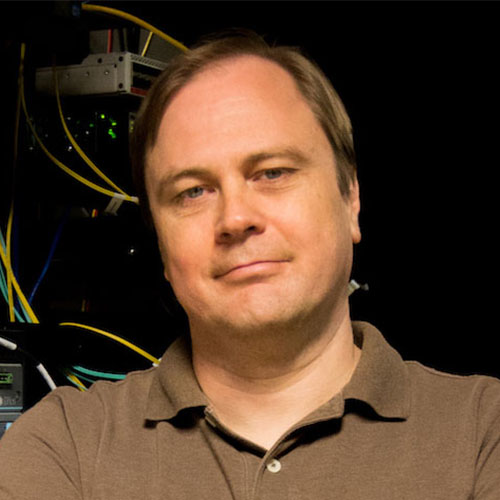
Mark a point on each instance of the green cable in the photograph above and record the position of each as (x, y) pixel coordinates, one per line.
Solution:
(3, 287)
(81, 377)
(98, 374)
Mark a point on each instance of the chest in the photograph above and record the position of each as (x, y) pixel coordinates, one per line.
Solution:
(349, 459)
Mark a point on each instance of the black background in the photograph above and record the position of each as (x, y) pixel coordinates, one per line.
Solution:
(419, 80)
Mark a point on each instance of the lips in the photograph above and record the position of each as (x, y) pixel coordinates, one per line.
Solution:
(249, 267)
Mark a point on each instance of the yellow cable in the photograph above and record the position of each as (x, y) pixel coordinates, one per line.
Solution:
(63, 167)
(8, 266)
(17, 288)
(116, 338)
(78, 149)
(136, 20)
(77, 381)
(146, 45)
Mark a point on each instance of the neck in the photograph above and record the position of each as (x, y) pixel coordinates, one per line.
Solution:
(260, 385)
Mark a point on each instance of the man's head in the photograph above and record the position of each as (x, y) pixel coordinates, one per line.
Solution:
(254, 227)
(311, 82)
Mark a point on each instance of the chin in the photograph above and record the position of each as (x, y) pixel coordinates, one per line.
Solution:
(283, 306)
(266, 315)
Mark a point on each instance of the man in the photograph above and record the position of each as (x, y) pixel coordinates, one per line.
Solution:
(244, 159)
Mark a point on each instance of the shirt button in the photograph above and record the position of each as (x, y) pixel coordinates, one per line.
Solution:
(273, 466)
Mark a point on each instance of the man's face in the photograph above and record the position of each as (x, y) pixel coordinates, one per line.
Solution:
(252, 228)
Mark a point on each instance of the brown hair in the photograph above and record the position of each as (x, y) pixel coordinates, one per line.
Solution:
(310, 80)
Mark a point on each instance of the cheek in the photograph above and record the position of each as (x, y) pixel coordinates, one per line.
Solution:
(327, 236)
(181, 269)
(319, 215)
(184, 251)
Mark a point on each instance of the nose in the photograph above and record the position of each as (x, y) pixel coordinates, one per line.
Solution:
(238, 217)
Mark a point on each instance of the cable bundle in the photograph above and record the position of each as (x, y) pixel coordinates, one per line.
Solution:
(19, 306)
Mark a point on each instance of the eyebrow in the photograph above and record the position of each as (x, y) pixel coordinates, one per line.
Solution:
(289, 153)
(175, 175)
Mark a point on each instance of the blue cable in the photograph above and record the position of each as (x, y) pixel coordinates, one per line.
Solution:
(55, 241)
(2, 241)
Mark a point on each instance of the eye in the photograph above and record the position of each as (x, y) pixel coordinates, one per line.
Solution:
(273, 173)
(190, 196)
(276, 177)
(194, 192)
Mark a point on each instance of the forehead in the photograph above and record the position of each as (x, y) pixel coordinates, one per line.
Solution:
(238, 74)
(250, 101)
(230, 84)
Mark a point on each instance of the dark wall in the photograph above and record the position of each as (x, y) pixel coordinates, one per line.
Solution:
(419, 80)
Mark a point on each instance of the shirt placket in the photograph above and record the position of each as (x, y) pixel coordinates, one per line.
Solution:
(267, 475)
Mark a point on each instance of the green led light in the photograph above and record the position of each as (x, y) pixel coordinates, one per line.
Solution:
(102, 116)
(91, 125)
(111, 133)
(113, 123)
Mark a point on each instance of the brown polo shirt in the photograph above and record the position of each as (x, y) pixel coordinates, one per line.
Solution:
(397, 431)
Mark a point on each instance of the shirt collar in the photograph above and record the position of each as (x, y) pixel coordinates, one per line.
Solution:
(381, 378)
(175, 386)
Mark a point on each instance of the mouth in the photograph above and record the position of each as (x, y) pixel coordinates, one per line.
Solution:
(253, 268)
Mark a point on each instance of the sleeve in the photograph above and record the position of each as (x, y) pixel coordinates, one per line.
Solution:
(38, 456)
(487, 481)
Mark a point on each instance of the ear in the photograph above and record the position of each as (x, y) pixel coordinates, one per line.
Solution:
(165, 274)
(354, 208)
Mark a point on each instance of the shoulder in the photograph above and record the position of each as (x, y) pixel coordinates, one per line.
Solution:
(76, 411)
(56, 444)
(428, 375)
(478, 396)
(388, 382)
